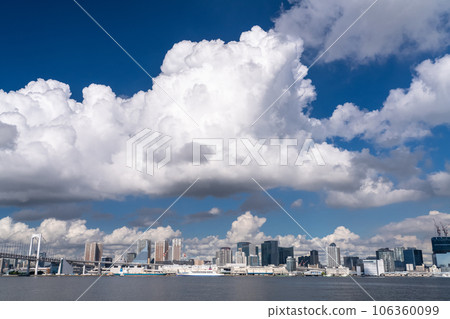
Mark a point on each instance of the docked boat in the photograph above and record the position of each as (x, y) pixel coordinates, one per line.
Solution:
(136, 271)
(200, 273)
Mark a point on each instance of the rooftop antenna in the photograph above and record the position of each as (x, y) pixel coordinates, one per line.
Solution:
(444, 229)
(438, 230)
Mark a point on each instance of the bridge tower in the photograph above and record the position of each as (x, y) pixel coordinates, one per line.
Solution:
(38, 237)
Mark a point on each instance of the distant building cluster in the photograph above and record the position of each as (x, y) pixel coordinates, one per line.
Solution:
(163, 252)
(269, 258)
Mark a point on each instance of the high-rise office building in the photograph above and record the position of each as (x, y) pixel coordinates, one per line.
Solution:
(333, 256)
(314, 257)
(290, 264)
(284, 253)
(162, 250)
(351, 262)
(244, 246)
(399, 259)
(240, 257)
(398, 254)
(176, 249)
(269, 253)
(387, 256)
(93, 251)
(413, 256)
(224, 256)
(253, 260)
(143, 251)
(441, 251)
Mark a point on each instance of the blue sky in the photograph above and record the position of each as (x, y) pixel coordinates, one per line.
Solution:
(58, 41)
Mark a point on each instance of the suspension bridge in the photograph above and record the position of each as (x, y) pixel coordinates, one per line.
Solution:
(19, 257)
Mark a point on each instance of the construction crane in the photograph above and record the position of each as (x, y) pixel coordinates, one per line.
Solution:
(444, 229)
(438, 229)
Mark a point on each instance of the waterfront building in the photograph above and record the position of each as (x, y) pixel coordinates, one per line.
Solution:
(198, 262)
(176, 249)
(93, 251)
(284, 253)
(161, 251)
(387, 256)
(314, 257)
(333, 256)
(373, 267)
(303, 261)
(337, 271)
(290, 264)
(224, 256)
(253, 260)
(240, 257)
(398, 254)
(244, 246)
(413, 256)
(441, 251)
(351, 262)
(130, 257)
(107, 261)
(269, 253)
(143, 251)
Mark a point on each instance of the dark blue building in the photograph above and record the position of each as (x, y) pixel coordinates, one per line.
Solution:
(413, 256)
(303, 261)
(284, 253)
(314, 257)
(269, 253)
(441, 251)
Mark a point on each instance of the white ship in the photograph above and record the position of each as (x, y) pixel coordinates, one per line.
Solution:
(199, 273)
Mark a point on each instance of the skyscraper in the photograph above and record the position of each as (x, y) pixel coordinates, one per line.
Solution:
(240, 257)
(224, 256)
(93, 251)
(162, 251)
(398, 254)
(176, 249)
(441, 251)
(244, 246)
(333, 256)
(269, 253)
(399, 259)
(413, 256)
(290, 264)
(284, 253)
(350, 262)
(143, 251)
(314, 257)
(387, 256)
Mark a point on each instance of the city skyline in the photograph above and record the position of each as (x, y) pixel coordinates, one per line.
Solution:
(350, 243)
(374, 106)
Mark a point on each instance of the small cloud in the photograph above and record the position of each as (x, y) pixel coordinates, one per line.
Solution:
(214, 211)
(297, 203)
(434, 212)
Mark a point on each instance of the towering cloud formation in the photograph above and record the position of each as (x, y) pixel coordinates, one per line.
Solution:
(53, 148)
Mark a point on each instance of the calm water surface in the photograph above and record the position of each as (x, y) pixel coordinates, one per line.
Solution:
(222, 288)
